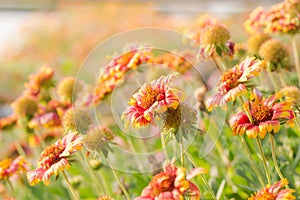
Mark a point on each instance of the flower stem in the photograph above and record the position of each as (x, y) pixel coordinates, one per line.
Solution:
(72, 190)
(163, 145)
(274, 157)
(181, 153)
(264, 160)
(190, 157)
(10, 186)
(124, 190)
(245, 145)
(296, 58)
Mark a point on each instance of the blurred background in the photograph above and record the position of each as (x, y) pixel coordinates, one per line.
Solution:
(62, 33)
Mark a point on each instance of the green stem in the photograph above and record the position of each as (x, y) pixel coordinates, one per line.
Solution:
(190, 157)
(217, 65)
(10, 186)
(273, 81)
(274, 157)
(181, 153)
(118, 180)
(163, 145)
(296, 57)
(245, 145)
(72, 190)
(20, 149)
(264, 160)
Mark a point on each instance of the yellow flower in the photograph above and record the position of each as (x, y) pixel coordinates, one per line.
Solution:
(25, 106)
(255, 41)
(68, 87)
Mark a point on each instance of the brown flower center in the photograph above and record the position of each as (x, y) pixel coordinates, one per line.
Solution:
(50, 155)
(230, 79)
(261, 113)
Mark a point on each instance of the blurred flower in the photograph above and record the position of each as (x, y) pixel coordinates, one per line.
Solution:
(233, 82)
(13, 152)
(181, 62)
(95, 164)
(55, 158)
(116, 69)
(275, 192)
(172, 184)
(152, 98)
(25, 106)
(255, 41)
(290, 93)
(78, 118)
(68, 88)
(195, 32)
(262, 116)
(8, 122)
(47, 137)
(39, 80)
(283, 17)
(214, 41)
(49, 115)
(76, 181)
(105, 198)
(9, 167)
(98, 139)
(275, 54)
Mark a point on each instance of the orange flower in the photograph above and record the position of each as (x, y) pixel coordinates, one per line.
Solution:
(281, 18)
(9, 167)
(55, 158)
(274, 192)
(261, 116)
(116, 69)
(172, 184)
(9, 121)
(152, 98)
(38, 80)
(232, 82)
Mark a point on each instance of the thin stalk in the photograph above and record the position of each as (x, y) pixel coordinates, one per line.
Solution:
(190, 157)
(10, 186)
(19, 149)
(163, 145)
(217, 65)
(118, 180)
(245, 145)
(296, 57)
(274, 157)
(273, 81)
(264, 160)
(181, 153)
(72, 190)
(297, 124)
(280, 74)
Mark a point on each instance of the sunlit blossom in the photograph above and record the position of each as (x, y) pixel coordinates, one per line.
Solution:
(262, 115)
(233, 82)
(9, 121)
(9, 167)
(172, 184)
(55, 158)
(274, 192)
(116, 69)
(152, 98)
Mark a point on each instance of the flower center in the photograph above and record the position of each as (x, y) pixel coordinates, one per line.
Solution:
(261, 113)
(151, 96)
(230, 79)
(265, 195)
(50, 155)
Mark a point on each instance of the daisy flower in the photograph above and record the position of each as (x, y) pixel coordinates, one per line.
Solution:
(172, 184)
(152, 98)
(274, 192)
(233, 82)
(262, 115)
(9, 167)
(55, 158)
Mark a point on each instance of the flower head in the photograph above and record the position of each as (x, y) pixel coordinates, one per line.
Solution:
(283, 18)
(274, 192)
(255, 41)
(261, 116)
(116, 69)
(291, 93)
(232, 83)
(105, 198)
(275, 54)
(152, 98)
(98, 139)
(9, 167)
(173, 184)
(9, 121)
(55, 158)
(39, 80)
(78, 118)
(25, 106)
(214, 41)
(66, 88)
